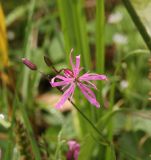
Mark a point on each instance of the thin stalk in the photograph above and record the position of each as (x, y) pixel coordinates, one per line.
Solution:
(110, 151)
(82, 38)
(90, 122)
(63, 11)
(100, 36)
(139, 25)
(74, 28)
(27, 48)
(100, 45)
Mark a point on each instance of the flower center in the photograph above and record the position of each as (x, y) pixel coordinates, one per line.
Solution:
(68, 73)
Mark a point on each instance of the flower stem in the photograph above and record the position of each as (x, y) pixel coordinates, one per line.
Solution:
(28, 48)
(110, 152)
(100, 36)
(100, 52)
(92, 125)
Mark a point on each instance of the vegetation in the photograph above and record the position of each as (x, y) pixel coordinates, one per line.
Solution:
(113, 38)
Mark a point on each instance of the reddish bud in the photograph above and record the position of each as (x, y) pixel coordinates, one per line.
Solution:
(29, 64)
(74, 149)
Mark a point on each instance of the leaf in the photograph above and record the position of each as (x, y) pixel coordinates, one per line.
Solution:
(142, 121)
(133, 121)
(17, 13)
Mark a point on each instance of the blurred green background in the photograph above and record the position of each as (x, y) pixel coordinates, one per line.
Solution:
(105, 36)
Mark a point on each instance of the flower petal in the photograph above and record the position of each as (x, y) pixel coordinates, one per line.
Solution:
(56, 84)
(64, 81)
(62, 77)
(92, 76)
(76, 153)
(76, 68)
(88, 94)
(65, 96)
(64, 87)
(90, 84)
(71, 59)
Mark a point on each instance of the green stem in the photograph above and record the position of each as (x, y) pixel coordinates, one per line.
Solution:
(100, 46)
(27, 48)
(82, 38)
(139, 25)
(110, 151)
(92, 125)
(63, 12)
(100, 36)
(30, 132)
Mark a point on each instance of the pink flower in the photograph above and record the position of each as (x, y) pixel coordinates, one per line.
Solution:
(74, 149)
(71, 79)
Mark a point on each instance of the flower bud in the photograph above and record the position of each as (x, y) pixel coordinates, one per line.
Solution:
(47, 61)
(29, 64)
